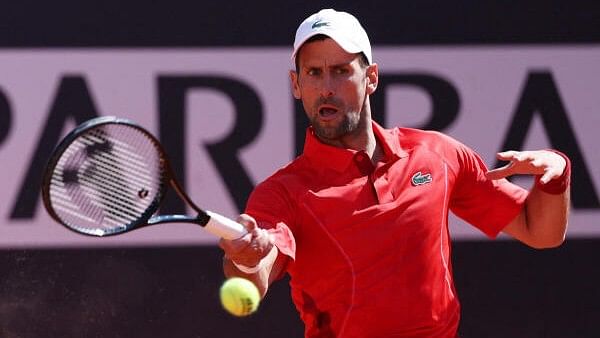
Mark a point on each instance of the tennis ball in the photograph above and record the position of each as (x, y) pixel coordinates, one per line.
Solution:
(239, 296)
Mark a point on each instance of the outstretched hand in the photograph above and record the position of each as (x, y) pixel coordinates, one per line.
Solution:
(546, 163)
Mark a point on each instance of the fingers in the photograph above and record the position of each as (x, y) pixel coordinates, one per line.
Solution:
(547, 176)
(255, 234)
(541, 162)
(553, 171)
(506, 170)
(509, 155)
(232, 247)
(247, 221)
(499, 173)
(250, 224)
(250, 248)
(258, 235)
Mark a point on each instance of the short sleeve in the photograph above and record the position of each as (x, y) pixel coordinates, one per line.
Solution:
(269, 204)
(489, 205)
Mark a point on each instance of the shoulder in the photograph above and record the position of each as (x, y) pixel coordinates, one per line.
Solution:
(430, 139)
(275, 199)
(434, 144)
(287, 179)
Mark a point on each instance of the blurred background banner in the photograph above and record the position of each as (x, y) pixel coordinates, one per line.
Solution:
(210, 79)
(491, 98)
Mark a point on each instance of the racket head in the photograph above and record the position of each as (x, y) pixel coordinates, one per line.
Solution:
(106, 177)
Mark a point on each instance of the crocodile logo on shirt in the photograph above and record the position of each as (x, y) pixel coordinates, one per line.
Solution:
(419, 178)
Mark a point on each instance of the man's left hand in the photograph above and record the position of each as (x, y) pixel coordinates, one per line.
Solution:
(546, 163)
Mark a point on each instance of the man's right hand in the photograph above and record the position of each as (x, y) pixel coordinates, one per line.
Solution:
(251, 248)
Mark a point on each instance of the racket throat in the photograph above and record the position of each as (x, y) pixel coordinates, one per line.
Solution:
(202, 219)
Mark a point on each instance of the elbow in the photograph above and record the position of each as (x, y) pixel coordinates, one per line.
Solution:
(548, 242)
(559, 241)
(546, 233)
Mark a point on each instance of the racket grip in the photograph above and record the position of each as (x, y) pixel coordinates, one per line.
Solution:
(224, 227)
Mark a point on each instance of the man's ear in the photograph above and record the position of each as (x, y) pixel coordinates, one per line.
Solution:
(372, 78)
(294, 84)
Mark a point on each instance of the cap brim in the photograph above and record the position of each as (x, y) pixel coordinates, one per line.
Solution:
(343, 43)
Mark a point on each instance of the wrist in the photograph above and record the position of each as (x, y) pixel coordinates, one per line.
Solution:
(560, 184)
(265, 261)
(247, 269)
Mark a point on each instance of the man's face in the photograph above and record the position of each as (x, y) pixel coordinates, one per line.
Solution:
(333, 87)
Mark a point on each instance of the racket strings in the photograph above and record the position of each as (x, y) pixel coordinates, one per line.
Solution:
(107, 179)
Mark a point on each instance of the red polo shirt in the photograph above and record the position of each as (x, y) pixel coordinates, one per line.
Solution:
(368, 244)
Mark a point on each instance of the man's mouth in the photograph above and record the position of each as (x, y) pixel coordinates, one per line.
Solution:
(327, 113)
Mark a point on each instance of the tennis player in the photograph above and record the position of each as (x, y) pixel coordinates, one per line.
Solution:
(359, 221)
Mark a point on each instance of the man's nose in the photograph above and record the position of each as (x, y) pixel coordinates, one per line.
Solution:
(327, 87)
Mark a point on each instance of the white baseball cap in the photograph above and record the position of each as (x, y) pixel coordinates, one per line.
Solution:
(342, 27)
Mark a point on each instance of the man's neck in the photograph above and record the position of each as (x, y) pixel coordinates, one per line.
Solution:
(366, 141)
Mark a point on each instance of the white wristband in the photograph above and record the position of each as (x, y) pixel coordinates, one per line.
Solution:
(247, 269)
(267, 260)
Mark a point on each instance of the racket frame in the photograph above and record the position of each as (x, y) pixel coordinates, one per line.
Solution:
(215, 223)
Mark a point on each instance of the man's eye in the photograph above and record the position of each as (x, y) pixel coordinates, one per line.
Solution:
(313, 72)
(341, 71)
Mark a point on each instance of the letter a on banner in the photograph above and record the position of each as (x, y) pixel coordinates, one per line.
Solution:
(540, 95)
(72, 101)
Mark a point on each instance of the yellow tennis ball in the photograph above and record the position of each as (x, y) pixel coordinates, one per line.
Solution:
(239, 296)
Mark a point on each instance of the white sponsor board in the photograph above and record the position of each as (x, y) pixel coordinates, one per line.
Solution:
(489, 82)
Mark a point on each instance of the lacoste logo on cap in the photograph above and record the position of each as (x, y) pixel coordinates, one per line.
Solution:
(320, 23)
(419, 178)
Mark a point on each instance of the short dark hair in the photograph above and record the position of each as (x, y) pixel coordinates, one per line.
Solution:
(364, 62)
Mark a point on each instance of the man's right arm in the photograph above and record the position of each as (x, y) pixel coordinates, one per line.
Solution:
(253, 256)
(262, 278)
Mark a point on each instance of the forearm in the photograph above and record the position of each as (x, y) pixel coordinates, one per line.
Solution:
(260, 278)
(546, 218)
(262, 275)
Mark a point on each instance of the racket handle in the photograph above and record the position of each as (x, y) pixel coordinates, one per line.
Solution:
(224, 227)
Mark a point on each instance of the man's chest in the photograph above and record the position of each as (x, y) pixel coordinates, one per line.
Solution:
(409, 190)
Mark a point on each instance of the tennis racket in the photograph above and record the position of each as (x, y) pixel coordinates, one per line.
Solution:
(109, 176)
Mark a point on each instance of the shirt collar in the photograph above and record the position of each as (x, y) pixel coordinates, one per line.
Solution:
(339, 159)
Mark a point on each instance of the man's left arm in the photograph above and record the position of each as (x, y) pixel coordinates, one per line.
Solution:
(542, 223)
